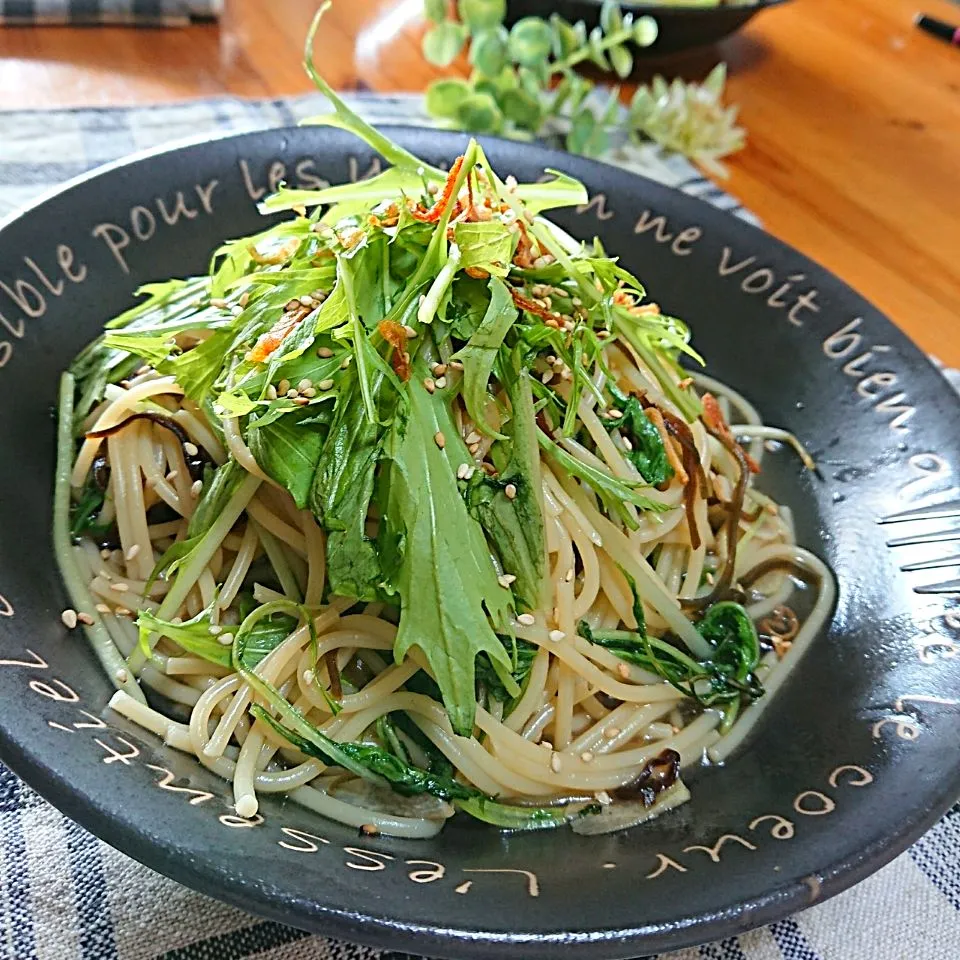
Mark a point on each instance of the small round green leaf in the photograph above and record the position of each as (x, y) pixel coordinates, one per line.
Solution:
(436, 10)
(582, 127)
(445, 96)
(442, 43)
(580, 89)
(586, 135)
(532, 81)
(611, 19)
(482, 14)
(645, 31)
(622, 60)
(531, 41)
(522, 109)
(642, 107)
(479, 112)
(488, 52)
(597, 53)
(565, 38)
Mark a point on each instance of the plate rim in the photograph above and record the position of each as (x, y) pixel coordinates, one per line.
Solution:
(383, 931)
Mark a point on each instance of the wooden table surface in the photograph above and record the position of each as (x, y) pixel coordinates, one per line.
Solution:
(853, 117)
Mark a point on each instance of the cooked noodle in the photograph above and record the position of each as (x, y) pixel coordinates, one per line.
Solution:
(635, 654)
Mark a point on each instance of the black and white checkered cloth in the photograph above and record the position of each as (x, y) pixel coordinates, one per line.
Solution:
(64, 895)
(134, 13)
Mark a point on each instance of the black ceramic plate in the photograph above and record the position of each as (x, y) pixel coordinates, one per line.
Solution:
(856, 756)
(680, 28)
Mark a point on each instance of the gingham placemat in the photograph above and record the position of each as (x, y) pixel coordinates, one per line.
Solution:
(66, 896)
(91, 13)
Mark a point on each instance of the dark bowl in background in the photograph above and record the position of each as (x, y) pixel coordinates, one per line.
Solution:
(681, 28)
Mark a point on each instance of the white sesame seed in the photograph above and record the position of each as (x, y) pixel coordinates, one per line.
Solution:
(568, 576)
(195, 488)
(557, 635)
(510, 491)
(226, 639)
(455, 365)
(119, 587)
(306, 301)
(624, 671)
(132, 553)
(102, 608)
(527, 619)
(710, 578)
(439, 369)
(244, 298)
(69, 618)
(409, 331)
(345, 363)
(236, 310)
(172, 475)
(546, 744)
(551, 359)
(505, 579)
(604, 798)
(474, 447)
(473, 437)
(105, 554)
(324, 384)
(218, 303)
(291, 305)
(429, 385)
(304, 384)
(611, 733)
(586, 756)
(325, 353)
(441, 382)
(614, 414)
(547, 377)
(308, 677)
(292, 393)
(190, 449)
(555, 762)
(462, 471)
(310, 393)
(283, 386)
(214, 629)
(85, 618)
(439, 439)
(121, 676)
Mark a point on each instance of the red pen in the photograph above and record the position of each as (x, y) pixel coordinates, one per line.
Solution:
(939, 28)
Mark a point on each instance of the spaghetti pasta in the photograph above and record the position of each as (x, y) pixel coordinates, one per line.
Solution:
(504, 556)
